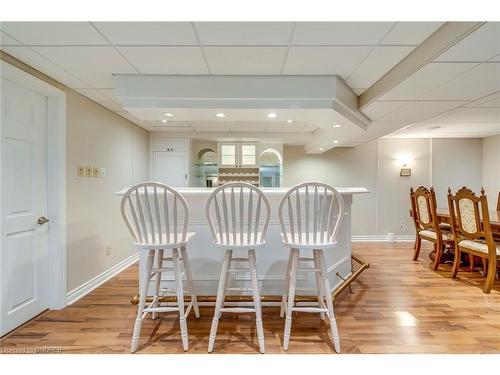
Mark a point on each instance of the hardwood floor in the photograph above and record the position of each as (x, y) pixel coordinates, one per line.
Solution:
(397, 306)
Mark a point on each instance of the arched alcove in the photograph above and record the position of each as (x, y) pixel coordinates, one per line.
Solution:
(271, 168)
(207, 156)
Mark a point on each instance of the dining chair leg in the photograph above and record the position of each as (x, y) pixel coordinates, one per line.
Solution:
(438, 246)
(189, 277)
(291, 297)
(142, 301)
(418, 243)
(256, 299)
(485, 266)
(319, 283)
(220, 299)
(180, 299)
(329, 301)
(159, 264)
(285, 288)
(490, 278)
(456, 263)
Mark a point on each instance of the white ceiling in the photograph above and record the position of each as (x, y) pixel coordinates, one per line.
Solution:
(85, 55)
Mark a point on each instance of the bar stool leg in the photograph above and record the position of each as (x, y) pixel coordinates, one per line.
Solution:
(159, 264)
(180, 299)
(220, 299)
(291, 297)
(189, 278)
(142, 301)
(256, 299)
(285, 288)
(329, 301)
(319, 283)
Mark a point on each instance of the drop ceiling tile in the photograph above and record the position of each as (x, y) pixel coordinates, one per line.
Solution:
(430, 76)
(440, 130)
(478, 82)
(245, 60)
(470, 115)
(166, 60)
(99, 97)
(6, 40)
(340, 33)
(487, 101)
(379, 109)
(148, 33)
(210, 126)
(54, 33)
(248, 127)
(420, 111)
(35, 60)
(325, 60)
(93, 65)
(244, 33)
(410, 33)
(378, 62)
(175, 129)
(481, 45)
(284, 127)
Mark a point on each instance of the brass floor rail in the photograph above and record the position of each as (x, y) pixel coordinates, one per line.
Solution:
(269, 297)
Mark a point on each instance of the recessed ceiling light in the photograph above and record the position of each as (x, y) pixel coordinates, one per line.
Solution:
(335, 141)
(272, 115)
(337, 126)
(220, 115)
(289, 121)
(168, 114)
(321, 149)
(164, 120)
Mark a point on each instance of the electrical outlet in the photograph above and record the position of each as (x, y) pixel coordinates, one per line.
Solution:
(81, 171)
(88, 171)
(108, 250)
(96, 172)
(102, 172)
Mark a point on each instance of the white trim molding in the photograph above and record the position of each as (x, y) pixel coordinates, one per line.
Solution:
(87, 287)
(383, 238)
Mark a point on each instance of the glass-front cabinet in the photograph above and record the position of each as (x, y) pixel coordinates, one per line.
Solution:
(238, 155)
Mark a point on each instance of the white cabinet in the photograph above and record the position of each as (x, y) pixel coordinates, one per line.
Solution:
(169, 161)
(239, 155)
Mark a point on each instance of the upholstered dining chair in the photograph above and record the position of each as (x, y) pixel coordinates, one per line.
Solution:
(471, 234)
(427, 227)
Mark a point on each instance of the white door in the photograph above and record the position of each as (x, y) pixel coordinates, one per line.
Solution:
(24, 248)
(170, 168)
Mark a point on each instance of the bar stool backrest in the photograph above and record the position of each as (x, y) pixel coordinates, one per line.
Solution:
(238, 214)
(155, 214)
(311, 213)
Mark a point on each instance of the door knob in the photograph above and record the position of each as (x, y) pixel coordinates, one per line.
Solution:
(42, 220)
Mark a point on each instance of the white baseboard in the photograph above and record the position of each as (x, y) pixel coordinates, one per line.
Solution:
(90, 285)
(384, 238)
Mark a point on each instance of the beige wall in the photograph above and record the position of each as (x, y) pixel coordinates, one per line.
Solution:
(375, 165)
(491, 168)
(96, 137)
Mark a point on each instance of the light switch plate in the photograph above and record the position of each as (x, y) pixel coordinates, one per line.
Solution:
(81, 171)
(96, 172)
(102, 172)
(88, 171)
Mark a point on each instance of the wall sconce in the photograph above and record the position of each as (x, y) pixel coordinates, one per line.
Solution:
(404, 161)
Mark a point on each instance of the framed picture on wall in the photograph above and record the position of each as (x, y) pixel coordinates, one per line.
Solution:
(405, 172)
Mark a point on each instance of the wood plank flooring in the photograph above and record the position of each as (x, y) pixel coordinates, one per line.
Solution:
(397, 306)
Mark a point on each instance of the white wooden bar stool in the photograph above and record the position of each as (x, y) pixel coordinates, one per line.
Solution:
(157, 217)
(310, 215)
(238, 216)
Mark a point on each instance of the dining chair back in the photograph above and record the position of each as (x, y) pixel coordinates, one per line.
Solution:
(472, 232)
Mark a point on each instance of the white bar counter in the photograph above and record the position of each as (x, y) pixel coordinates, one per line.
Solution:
(205, 258)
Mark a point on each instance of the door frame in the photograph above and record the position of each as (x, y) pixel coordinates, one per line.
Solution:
(56, 178)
